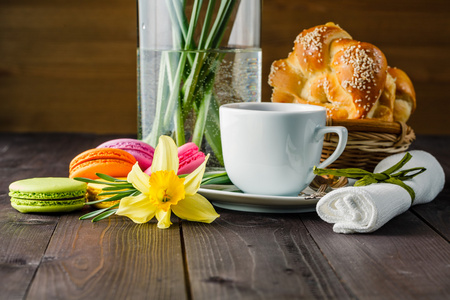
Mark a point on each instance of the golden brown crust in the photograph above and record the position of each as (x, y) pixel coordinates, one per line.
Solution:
(361, 71)
(405, 95)
(384, 108)
(311, 47)
(350, 78)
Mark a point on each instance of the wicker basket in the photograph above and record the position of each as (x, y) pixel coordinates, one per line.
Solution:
(369, 141)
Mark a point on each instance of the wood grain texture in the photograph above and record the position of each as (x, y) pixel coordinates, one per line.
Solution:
(23, 242)
(239, 256)
(71, 66)
(68, 66)
(404, 259)
(257, 256)
(24, 238)
(437, 212)
(134, 261)
(75, 256)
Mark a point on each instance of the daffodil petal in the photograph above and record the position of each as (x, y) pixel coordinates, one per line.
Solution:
(165, 156)
(163, 218)
(192, 181)
(137, 208)
(195, 208)
(139, 179)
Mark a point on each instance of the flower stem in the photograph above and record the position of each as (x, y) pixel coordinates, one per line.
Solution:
(202, 115)
(191, 86)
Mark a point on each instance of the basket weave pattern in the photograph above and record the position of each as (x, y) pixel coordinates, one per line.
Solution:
(367, 146)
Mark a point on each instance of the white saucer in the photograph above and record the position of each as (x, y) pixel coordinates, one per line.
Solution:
(229, 197)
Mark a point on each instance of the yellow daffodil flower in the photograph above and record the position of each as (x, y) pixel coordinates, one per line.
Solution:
(163, 191)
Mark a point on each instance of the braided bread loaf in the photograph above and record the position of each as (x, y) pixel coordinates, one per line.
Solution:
(350, 78)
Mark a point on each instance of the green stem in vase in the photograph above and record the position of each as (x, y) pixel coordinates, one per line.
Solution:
(212, 130)
(160, 103)
(174, 95)
(202, 115)
(190, 87)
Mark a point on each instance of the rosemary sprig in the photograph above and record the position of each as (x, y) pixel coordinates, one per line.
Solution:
(387, 176)
(116, 188)
(119, 189)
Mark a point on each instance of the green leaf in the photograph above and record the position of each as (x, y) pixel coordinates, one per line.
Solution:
(349, 172)
(216, 178)
(87, 180)
(118, 187)
(113, 198)
(136, 193)
(97, 212)
(104, 215)
(403, 175)
(403, 185)
(385, 176)
(109, 178)
(366, 180)
(398, 165)
(93, 213)
(128, 192)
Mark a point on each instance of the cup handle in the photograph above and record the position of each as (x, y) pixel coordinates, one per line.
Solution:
(342, 133)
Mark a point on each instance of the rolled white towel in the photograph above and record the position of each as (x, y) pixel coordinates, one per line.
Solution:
(367, 208)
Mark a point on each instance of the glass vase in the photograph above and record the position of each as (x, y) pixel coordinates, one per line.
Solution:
(193, 56)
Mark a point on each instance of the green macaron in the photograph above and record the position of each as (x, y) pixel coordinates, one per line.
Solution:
(47, 195)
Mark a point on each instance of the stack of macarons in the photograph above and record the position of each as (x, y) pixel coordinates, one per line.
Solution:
(108, 158)
(113, 162)
(188, 154)
(47, 195)
(114, 158)
(142, 152)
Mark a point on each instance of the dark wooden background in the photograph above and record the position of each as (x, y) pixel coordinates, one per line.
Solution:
(70, 66)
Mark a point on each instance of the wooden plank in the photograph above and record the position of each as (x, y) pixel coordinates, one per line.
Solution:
(77, 58)
(24, 236)
(256, 256)
(131, 260)
(24, 239)
(405, 259)
(437, 212)
(111, 259)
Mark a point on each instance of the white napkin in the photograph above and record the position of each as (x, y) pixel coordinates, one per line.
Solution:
(367, 208)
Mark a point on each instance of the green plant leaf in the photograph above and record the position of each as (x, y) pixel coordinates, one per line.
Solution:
(216, 178)
(385, 176)
(113, 198)
(120, 192)
(104, 215)
(398, 165)
(109, 178)
(396, 181)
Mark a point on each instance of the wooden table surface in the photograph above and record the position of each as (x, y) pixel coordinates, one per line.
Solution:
(239, 256)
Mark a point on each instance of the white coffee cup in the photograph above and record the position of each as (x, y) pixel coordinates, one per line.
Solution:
(271, 148)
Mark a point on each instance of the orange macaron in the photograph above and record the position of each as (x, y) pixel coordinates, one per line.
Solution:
(110, 161)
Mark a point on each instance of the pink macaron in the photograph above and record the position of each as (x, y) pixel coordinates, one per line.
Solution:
(143, 152)
(190, 158)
